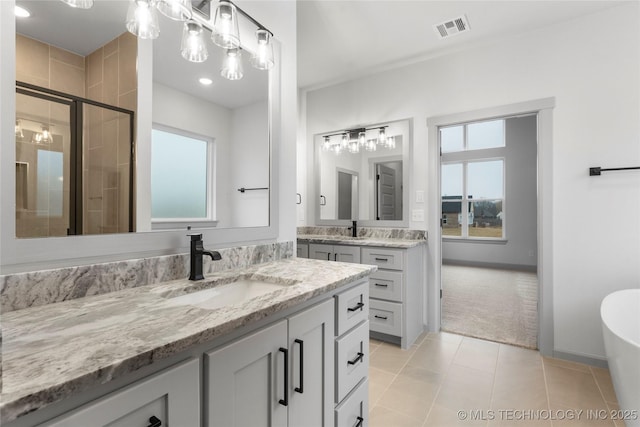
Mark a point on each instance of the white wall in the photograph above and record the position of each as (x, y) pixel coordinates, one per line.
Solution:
(591, 66)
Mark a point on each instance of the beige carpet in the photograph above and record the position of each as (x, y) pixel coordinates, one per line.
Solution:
(492, 304)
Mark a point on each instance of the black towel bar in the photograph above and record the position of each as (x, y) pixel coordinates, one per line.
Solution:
(597, 171)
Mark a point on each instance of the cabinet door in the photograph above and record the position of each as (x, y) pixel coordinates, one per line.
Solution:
(311, 347)
(245, 384)
(302, 250)
(172, 396)
(319, 251)
(347, 254)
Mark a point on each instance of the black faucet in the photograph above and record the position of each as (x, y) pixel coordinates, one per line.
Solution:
(354, 229)
(197, 250)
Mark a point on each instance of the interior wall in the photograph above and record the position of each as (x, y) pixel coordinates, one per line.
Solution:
(519, 249)
(591, 66)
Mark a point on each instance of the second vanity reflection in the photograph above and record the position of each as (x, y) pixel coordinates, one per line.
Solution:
(233, 116)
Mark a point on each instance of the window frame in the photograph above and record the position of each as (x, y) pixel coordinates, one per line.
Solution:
(211, 214)
(465, 136)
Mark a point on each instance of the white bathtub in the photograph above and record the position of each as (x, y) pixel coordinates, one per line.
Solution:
(620, 313)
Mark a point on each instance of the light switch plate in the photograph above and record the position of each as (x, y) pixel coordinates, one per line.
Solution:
(419, 196)
(417, 215)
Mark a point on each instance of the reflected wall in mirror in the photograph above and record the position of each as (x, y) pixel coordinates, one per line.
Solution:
(360, 174)
(87, 172)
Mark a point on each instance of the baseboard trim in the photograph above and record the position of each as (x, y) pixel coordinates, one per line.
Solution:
(579, 358)
(517, 267)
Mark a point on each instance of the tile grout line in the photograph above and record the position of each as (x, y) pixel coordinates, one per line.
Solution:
(546, 386)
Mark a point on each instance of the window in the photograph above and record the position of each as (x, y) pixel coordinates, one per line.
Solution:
(181, 177)
(472, 188)
(472, 136)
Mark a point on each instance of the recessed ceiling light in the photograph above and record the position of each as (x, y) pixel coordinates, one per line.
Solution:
(205, 81)
(21, 12)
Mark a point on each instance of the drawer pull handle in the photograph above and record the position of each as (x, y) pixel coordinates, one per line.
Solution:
(299, 389)
(382, 259)
(359, 358)
(357, 307)
(381, 317)
(382, 285)
(285, 401)
(359, 423)
(154, 421)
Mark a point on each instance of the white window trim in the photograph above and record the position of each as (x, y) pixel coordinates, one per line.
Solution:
(193, 223)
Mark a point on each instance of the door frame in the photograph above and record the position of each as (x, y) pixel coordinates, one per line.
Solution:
(543, 108)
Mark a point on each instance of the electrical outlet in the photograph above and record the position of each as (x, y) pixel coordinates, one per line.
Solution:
(419, 196)
(417, 215)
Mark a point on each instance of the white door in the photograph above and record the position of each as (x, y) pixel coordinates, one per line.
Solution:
(386, 193)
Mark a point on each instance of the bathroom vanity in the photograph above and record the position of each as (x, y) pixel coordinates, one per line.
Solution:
(396, 289)
(290, 347)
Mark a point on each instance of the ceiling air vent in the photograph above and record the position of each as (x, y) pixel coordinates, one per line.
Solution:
(453, 27)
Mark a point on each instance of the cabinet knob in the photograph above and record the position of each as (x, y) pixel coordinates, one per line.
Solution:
(154, 421)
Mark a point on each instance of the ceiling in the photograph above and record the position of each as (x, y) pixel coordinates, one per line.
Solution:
(342, 40)
(83, 31)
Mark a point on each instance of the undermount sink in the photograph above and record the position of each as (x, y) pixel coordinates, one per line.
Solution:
(228, 294)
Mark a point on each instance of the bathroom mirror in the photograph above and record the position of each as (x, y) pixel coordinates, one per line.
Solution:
(361, 175)
(56, 49)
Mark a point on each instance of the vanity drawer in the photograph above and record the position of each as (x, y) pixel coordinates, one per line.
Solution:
(354, 411)
(352, 360)
(352, 307)
(382, 257)
(386, 285)
(386, 317)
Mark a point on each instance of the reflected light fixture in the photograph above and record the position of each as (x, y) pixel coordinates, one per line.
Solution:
(225, 26)
(79, 4)
(193, 46)
(232, 64)
(178, 10)
(21, 12)
(354, 139)
(142, 19)
(19, 132)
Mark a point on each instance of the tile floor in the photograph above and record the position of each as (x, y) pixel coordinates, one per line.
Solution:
(493, 384)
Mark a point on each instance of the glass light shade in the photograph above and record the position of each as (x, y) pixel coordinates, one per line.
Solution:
(193, 46)
(337, 148)
(371, 145)
(344, 143)
(19, 132)
(225, 26)
(362, 138)
(178, 10)
(354, 147)
(46, 135)
(382, 137)
(326, 145)
(232, 65)
(262, 59)
(142, 19)
(391, 142)
(80, 4)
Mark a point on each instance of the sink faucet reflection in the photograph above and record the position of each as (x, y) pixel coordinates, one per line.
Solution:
(197, 251)
(354, 229)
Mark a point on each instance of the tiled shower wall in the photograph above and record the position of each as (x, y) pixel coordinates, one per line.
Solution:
(111, 79)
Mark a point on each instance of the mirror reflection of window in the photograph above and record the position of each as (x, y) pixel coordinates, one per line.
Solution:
(181, 168)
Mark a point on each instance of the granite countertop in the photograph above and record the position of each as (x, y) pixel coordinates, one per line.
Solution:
(361, 241)
(51, 352)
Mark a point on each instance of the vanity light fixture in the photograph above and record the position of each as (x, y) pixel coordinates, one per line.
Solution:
(80, 4)
(21, 12)
(232, 64)
(193, 48)
(43, 137)
(355, 139)
(142, 19)
(225, 26)
(178, 10)
(262, 59)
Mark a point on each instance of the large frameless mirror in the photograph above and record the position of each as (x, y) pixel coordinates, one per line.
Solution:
(77, 117)
(361, 174)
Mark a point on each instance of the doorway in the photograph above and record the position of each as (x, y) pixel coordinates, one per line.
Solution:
(543, 108)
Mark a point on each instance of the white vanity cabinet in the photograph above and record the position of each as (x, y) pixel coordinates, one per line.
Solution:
(302, 250)
(280, 375)
(170, 398)
(341, 253)
(396, 293)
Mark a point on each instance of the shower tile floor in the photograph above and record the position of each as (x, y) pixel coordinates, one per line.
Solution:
(492, 384)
